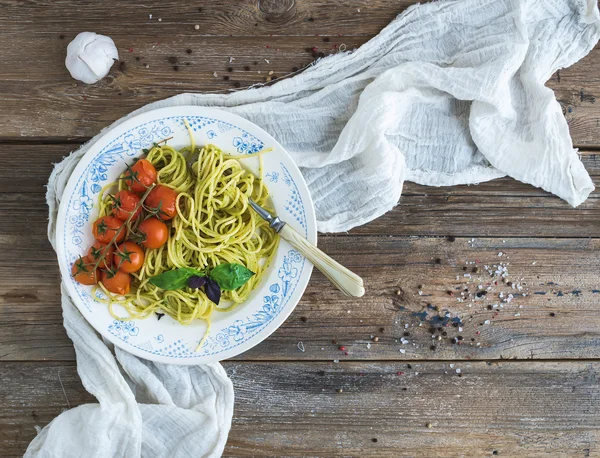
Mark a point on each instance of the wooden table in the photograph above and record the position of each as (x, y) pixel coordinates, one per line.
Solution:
(472, 380)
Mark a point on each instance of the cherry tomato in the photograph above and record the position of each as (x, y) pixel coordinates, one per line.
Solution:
(163, 200)
(83, 271)
(124, 205)
(116, 282)
(106, 227)
(129, 257)
(154, 233)
(140, 176)
(98, 250)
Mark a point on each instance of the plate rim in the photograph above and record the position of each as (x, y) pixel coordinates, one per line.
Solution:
(97, 146)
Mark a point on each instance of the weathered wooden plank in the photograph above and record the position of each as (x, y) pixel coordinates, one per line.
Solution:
(41, 100)
(517, 409)
(19, 176)
(557, 318)
(438, 214)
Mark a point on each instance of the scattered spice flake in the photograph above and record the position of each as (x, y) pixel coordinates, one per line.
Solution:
(130, 49)
(399, 373)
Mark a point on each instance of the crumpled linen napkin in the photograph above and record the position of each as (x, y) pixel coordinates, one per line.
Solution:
(451, 92)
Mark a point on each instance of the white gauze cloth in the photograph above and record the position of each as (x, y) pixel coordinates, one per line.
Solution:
(449, 93)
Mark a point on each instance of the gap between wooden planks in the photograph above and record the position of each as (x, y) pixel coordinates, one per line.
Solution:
(40, 100)
(526, 409)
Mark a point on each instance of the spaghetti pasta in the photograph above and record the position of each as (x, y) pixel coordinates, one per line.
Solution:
(214, 224)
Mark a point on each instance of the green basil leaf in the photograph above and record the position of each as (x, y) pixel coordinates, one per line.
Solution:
(230, 276)
(174, 279)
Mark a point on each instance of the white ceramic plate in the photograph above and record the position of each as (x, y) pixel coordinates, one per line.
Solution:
(232, 332)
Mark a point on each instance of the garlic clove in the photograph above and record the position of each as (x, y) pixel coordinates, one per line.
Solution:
(90, 56)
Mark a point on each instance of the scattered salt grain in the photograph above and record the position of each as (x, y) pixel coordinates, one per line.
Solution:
(215, 74)
(149, 16)
(196, 27)
(336, 361)
(486, 322)
(301, 347)
(231, 59)
(369, 346)
(458, 371)
(267, 61)
(402, 350)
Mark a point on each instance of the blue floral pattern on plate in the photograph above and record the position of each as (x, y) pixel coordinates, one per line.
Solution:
(287, 271)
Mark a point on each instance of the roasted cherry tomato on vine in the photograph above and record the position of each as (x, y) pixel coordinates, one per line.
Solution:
(154, 233)
(129, 257)
(163, 201)
(107, 227)
(83, 271)
(125, 203)
(140, 176)
(116, 282)
(102, 250)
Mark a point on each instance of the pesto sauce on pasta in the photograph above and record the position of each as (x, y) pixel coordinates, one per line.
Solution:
(214, 225)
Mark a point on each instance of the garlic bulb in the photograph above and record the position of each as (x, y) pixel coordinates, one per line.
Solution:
(90, 56)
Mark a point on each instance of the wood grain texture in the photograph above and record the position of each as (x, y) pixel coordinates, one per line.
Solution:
(557, 318)
(281, 32)
(378, 400)
(516, 409)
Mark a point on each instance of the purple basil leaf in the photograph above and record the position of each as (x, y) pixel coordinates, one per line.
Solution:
(196, 282)
(213, 291)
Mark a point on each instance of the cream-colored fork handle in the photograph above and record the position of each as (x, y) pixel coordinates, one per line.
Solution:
(345, 280)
